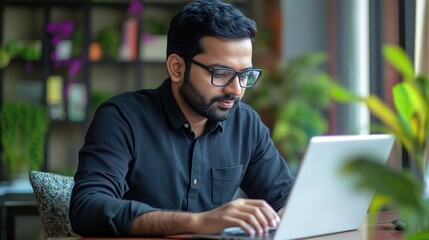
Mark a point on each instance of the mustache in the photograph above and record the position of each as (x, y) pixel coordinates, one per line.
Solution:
(225, 97)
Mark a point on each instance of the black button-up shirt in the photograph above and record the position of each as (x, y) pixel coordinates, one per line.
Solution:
(140, 155)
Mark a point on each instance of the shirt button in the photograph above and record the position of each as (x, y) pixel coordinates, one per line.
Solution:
(186, 125)
(195, 181)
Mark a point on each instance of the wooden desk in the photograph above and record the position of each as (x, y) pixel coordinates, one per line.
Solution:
(382, 230)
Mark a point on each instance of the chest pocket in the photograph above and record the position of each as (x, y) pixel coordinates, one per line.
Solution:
(225, 183)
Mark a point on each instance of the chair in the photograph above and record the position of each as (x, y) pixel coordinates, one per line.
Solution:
(53, 193)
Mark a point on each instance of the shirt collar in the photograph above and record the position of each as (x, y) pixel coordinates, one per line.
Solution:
(173, 111)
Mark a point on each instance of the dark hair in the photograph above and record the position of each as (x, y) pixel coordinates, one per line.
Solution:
(206, 18)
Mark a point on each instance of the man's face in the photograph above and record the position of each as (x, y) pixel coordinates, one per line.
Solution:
(208, 101)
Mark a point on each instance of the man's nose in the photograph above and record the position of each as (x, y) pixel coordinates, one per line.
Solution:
(234, 87)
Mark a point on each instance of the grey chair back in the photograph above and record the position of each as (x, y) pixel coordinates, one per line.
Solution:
(53, 193)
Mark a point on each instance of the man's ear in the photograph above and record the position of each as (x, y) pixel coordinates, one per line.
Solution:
(175, 67)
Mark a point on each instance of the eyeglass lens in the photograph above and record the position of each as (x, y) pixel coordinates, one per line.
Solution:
(223, 77)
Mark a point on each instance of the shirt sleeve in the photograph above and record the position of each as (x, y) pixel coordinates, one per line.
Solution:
(97, 207)
(267, 176)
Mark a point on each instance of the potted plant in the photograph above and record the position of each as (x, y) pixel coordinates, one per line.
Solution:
(407, 191)
(292, 100)
(98, 97)
(23, 130)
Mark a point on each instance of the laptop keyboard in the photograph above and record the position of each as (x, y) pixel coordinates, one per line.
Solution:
(240, 234)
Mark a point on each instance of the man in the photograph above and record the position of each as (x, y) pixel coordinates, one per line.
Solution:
(168, 161)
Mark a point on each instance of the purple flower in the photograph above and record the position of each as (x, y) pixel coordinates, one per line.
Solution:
(60, 30)
(74, 67)
(135, 8)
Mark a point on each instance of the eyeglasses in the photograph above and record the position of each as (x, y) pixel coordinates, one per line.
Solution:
(222, 77)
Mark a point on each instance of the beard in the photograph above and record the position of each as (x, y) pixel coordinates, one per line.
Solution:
(205, 107)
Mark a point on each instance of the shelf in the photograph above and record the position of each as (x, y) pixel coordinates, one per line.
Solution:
(78, 3)
(26, 3)
(22, 62)
(111, 4)
(66, 122)
(107, 62)
(114, 4)
(112, 76)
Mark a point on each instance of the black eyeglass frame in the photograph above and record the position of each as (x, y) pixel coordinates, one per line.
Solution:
(236, 73)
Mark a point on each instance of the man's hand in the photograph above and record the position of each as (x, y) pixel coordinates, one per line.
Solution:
(253, 216)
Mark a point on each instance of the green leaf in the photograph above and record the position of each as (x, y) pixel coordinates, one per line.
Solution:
(4, 58)
(280, 129)
(424, 235)
(422, 82)
(373, 175)
(378, 202)
(398, 58)
(404, 100)
(341, 94)
(412, 108)
(384, 113)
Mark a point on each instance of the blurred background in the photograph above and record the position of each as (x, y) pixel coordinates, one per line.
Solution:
(59, 59)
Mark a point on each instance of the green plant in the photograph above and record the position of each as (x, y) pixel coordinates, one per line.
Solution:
(27, 50)
(24, 49)
(409, 122)
(98, 97)
(156, 26)
(23, 130)
(4, 57)
(295, 97)
(109, 39)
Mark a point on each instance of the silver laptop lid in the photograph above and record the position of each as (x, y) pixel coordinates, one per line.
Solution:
(323, 200)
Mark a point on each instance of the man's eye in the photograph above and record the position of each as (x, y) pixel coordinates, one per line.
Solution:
(221, 74)
(246, 74)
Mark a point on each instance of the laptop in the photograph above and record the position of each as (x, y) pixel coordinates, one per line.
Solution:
(323, 200)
